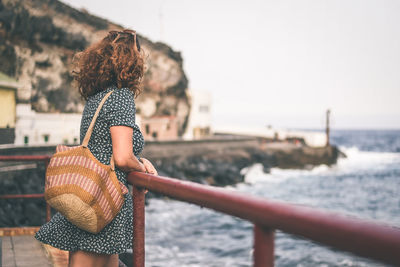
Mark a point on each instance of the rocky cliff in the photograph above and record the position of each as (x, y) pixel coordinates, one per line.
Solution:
(38, 39)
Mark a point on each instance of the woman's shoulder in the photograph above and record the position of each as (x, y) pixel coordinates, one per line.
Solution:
(118, 96)
(117, 93)
(123, 95)
(120, 108)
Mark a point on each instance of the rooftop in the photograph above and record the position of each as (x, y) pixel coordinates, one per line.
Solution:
(8, 82)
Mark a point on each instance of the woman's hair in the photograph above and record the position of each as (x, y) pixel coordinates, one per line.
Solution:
(115, 60)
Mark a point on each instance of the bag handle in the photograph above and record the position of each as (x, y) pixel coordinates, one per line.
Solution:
(91, 126)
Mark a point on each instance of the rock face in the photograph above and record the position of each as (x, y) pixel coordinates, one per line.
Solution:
(291, 156)
(213, 162)
(38, 39)
(219, 162)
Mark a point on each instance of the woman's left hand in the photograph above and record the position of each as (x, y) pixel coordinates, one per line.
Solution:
(149, 167)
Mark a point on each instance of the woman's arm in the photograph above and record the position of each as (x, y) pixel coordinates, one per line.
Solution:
(122, 145)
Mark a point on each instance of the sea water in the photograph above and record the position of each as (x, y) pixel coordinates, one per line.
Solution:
(366, 184)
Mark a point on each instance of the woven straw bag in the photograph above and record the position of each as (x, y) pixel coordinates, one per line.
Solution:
(84, 190)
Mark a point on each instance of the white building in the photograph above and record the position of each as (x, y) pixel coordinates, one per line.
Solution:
(33, 128)
(199, 124)
(311, 138)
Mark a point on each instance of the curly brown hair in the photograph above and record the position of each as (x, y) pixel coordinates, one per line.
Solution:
(115, 60)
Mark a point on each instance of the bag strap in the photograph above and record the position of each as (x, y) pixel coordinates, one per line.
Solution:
(91, 126)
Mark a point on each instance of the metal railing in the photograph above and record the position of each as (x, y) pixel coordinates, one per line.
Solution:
(7, 231)
(363, 238)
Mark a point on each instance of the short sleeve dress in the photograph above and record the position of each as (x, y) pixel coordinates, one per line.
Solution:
(116, 237)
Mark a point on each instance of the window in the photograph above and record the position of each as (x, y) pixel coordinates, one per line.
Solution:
(46, 138)
(147, 129)
(26, 139)
(75, 140)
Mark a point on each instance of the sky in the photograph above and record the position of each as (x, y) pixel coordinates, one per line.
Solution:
(281, 63)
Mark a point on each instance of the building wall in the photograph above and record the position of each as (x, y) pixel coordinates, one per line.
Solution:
(20, 125)
(199, 125)
(7, 108)
(159, 128)
(34, 128)
(310, 138)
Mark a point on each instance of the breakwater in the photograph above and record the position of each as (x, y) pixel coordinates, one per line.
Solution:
(219, 161)
(214, 161)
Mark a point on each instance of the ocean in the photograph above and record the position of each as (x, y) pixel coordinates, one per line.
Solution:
(366, 184)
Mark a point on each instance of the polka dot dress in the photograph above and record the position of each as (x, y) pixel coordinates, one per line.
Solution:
(116, 237)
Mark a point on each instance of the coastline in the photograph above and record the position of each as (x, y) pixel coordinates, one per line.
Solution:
(216, 162)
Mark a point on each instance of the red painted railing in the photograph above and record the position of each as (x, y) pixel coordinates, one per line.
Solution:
(367, 239)
(363, 238)
(40, 158)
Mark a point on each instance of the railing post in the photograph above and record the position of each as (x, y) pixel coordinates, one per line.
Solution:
(263, 254)
(138, 226)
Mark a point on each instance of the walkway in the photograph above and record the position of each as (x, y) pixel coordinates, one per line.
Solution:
(22, 251)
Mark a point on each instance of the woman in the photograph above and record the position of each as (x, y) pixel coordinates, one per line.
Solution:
(113, 64)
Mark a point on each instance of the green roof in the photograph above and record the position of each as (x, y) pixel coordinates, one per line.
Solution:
(7, 82)
(5, 78)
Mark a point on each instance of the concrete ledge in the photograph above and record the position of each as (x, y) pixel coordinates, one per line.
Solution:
(17, 231)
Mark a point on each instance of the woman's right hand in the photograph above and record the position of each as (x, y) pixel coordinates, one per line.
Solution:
(142, 167)
(149, 166)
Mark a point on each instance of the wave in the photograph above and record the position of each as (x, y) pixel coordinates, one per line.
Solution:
(355, 152)
(356, 160)
(255, 173)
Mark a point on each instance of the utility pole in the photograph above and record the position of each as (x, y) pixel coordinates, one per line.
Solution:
(328, 112)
